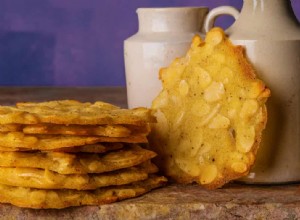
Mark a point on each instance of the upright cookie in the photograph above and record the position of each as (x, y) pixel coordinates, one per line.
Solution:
(210, 113)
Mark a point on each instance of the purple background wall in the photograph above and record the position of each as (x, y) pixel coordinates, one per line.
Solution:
(75, 42)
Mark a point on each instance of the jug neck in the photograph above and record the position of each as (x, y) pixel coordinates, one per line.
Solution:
(269, 10)
(265, 20)
(185, 19)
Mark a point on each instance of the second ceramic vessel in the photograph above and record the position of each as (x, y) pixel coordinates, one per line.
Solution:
(270, 32)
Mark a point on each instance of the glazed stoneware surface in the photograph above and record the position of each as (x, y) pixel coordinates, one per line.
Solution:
(271, 35)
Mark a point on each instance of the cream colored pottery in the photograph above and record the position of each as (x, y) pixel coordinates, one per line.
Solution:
(164, 34)
(270, 32)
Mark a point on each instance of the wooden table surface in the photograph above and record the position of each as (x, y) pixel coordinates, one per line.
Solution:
(233, 201)
(114, 95)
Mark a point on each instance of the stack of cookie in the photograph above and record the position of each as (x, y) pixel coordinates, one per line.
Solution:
(66, 153)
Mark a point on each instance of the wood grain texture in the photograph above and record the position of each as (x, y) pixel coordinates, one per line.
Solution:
(114, 95)
(184, 202)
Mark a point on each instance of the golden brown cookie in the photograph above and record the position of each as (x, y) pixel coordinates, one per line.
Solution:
(87, 130)
(78, 130)
(211, 113)
(66, 163)
(73, 112)
(46, 179)
(89, 148)
(58, 199)
(51, 142)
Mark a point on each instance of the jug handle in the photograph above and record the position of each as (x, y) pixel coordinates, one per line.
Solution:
(216, 12)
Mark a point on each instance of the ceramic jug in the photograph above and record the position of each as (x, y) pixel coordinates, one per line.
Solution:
(163, 34)
(270, 33)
